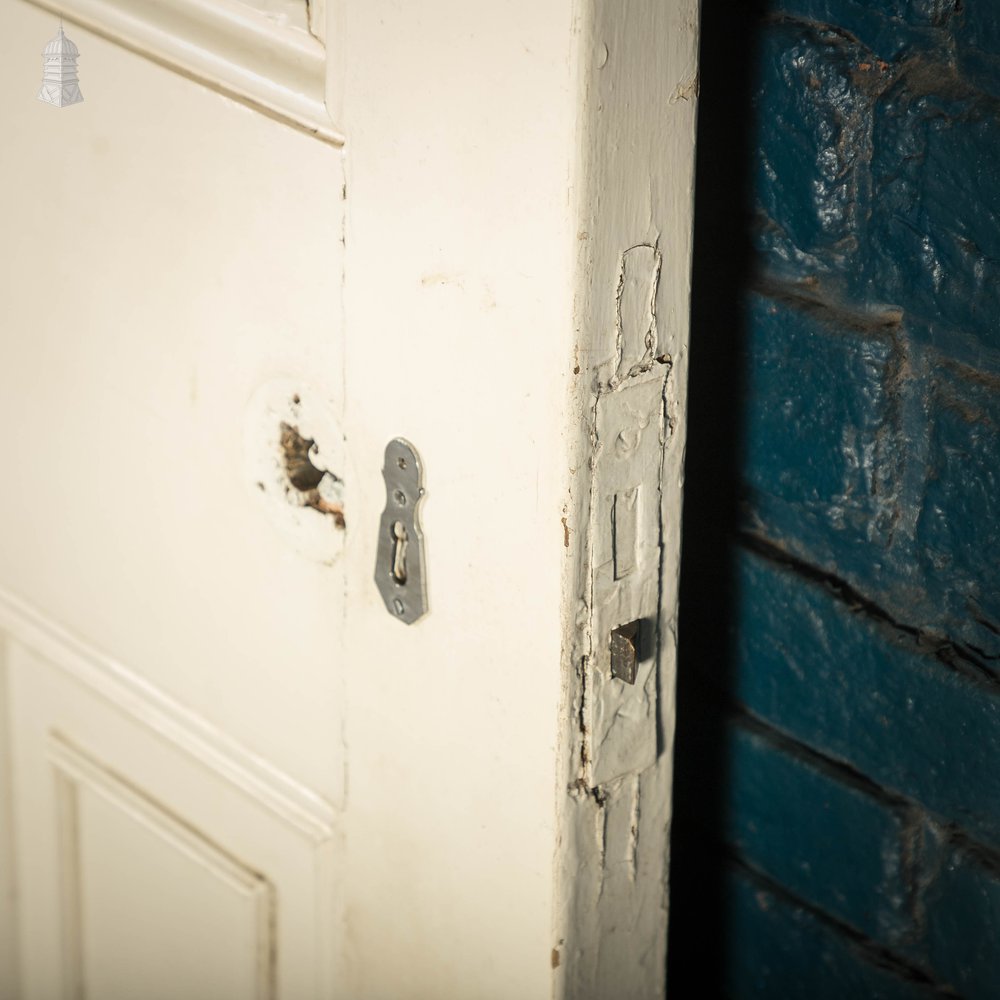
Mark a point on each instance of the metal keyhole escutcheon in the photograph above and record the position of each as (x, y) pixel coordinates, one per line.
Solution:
(399, 567)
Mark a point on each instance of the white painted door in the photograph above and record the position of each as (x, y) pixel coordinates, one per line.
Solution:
(170, 635)
(274, 236)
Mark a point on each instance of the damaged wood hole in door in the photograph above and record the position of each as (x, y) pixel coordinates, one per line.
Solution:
(305, 476)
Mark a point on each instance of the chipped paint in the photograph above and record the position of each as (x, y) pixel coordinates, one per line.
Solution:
(296, 466)
(318, 487)
(629, 439)
(635, 200)
(635, 308)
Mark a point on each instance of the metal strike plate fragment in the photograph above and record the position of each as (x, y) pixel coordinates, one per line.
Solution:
(399, 564)
(625, 652)
(622, 702)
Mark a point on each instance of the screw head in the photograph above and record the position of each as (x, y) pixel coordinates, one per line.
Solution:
(398, 605)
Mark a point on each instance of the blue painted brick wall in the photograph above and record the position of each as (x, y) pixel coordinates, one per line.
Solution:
(824, 835)
(861, 807)
(821, 465)
(780, 949)
(817, 666)
(961, 923)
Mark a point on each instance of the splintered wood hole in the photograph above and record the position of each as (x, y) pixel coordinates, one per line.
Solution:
(302, 474)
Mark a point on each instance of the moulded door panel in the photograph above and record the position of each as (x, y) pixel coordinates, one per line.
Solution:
(149, 359)
(155, 858)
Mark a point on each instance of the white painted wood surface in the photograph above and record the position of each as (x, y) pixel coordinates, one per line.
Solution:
(268, 53)
(201, 685)
(634, 187)
(169, 848)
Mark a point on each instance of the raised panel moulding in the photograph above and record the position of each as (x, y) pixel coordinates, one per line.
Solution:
(297, 806)
(240, 961)
(267, 62)
(151, 802)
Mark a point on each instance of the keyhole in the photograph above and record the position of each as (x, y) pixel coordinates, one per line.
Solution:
(399, 538)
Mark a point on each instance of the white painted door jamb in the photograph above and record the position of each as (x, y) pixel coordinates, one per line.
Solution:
(639, 85)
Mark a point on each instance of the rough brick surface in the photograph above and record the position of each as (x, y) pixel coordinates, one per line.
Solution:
(933, 236)
(889, 30)
(822, 461)
(781, 950)
(958, 530)
(876, 460)
(962, 907)
(814, 124)
(827, 839)
(862, 783)
(977, 32)
(857, 690)
(874, 177)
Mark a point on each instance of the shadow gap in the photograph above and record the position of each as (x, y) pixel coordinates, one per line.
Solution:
(722, 271)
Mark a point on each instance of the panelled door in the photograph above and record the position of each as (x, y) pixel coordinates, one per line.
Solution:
(274, 238)
(169, 600)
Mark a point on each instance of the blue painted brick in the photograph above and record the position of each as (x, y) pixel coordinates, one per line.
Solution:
(889, 29)
(813, 119)
(871, 453)
(878, 179)
(980, 26)
(884, 471)
(927, 13)
(958, 530)
(932, 243)
(830, 842)
(962, 937)
(862, 693)
(821, 461)
(774, 949)
(978, 44)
